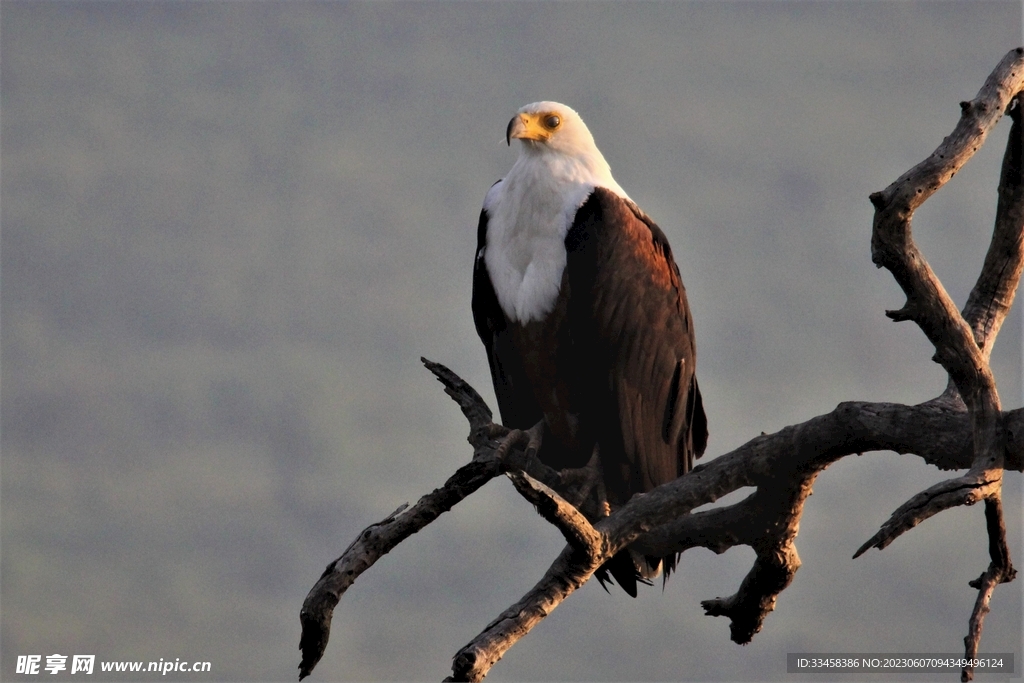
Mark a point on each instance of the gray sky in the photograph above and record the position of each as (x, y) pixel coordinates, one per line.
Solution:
(230, 230)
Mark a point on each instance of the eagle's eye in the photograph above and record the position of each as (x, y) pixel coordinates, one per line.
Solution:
(551, 121)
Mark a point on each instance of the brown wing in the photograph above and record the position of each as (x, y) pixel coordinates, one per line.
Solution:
(633, 347)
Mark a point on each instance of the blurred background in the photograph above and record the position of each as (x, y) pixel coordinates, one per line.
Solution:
(230, 230)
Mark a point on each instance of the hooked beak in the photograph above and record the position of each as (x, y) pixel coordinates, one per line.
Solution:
(525, 127)
(515, 128)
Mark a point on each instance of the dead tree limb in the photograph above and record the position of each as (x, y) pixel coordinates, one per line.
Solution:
(930, 307)
(999, 571)
(962, 342)
(964, 428)
(379, 538)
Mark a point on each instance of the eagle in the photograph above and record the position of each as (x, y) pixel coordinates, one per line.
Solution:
(584, 318)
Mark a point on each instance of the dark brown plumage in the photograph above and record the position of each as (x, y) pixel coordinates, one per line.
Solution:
(611, 365)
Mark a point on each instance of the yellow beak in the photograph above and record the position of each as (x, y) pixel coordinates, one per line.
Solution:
(526, 127)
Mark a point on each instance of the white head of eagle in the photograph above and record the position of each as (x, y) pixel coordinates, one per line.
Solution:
(583, 314)
(557, 131)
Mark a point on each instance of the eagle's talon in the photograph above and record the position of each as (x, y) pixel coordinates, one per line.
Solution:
(530, 439)
(495, 431)
(535, 437)
(512, 439)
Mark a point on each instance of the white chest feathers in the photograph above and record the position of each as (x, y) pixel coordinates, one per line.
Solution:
(529, 214)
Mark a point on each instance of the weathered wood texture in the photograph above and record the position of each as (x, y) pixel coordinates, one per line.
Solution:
(964, 428)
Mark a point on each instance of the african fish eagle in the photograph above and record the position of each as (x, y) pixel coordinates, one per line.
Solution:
(583, 314)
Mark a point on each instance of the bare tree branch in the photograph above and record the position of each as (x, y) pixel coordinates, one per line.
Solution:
(929, 305)
(993, 294)
(373, 543)
(938, 431)
(568, 573)
(790, 459)
(1000, 570)
(378, 539)
(564, 516)
(892, 245)
(966, 490)
(986, 308)
(963, 343)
